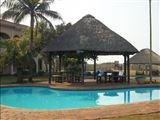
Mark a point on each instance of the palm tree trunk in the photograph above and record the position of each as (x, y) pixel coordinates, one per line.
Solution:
(31, 31)
(31, 47)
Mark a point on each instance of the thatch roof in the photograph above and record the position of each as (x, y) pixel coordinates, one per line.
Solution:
(143, 57)
(89, 34)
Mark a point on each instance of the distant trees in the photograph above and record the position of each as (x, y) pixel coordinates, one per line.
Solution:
(49, 34)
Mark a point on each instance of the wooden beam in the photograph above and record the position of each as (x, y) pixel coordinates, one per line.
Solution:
(50, 67)
(94, 58)
(83, 68)
(125, 66)
(128, 68)
(60, 62)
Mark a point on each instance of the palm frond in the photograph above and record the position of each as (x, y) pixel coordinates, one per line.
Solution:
(24, 3)
(49, 1)
(9, 14)
(20, 16)
(8, 3)
(31, 3)
(16, 12)
(51, 14)
(45, 19)
(43, 6)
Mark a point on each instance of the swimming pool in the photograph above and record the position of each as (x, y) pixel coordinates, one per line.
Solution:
(47, 98)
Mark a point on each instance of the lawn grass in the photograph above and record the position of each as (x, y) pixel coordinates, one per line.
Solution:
(10, 79)
(151, 116)
(147, 80)
(13, 79)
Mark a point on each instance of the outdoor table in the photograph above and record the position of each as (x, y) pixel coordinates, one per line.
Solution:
(122, 78)
(99, 79)
(108, 77)
(57, 78)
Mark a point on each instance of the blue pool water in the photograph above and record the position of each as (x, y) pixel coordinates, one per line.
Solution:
(47, 98)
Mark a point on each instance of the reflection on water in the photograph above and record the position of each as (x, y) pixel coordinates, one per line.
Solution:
(111, 93)
(127, 96)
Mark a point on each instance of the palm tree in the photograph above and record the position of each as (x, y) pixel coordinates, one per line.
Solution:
(36, 9)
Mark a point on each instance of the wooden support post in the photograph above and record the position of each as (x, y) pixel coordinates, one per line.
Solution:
(60, 62)
(83, 68)
(128, 68)
(125, 67)
(94, 58)
(50, 67)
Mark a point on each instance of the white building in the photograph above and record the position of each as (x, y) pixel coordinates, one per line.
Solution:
(10, 30)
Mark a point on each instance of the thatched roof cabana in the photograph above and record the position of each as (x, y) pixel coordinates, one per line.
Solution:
(143, 57)
(91, 36)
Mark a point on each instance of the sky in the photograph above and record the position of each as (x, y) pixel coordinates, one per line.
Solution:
(128, 18)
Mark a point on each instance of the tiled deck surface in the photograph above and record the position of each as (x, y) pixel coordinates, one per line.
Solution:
(88, 84)
(94, 113)
(104, 112)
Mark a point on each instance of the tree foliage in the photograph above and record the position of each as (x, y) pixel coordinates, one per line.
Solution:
(50, 33)
(36, 9)
(16, 51)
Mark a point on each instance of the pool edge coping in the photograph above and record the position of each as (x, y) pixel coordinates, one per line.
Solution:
(81, 89)
(83, 108)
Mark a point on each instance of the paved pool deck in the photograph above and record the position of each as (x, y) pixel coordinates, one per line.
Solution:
(93, 113)
(88, 84)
